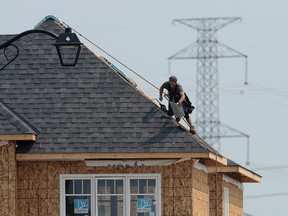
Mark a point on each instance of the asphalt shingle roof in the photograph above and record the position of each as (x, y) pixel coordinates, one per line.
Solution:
(14, 123)
(88, 108)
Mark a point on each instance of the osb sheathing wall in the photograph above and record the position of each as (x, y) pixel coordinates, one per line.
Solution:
(200, 196)
(216, 198)
(39, 192)
(215, 194)
(8, 176)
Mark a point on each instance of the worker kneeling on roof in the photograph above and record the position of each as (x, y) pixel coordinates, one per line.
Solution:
(177, 95)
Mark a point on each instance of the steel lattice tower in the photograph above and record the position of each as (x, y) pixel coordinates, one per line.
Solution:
(207, 50)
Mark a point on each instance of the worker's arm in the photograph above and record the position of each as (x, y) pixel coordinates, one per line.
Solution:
(182, 97)
(161, 93)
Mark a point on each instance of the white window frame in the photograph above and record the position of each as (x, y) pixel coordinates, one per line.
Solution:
(109, 178)
(208, 201)
(225, 201)
(126, 180)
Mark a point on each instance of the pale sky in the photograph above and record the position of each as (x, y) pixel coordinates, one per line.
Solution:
(141, 35)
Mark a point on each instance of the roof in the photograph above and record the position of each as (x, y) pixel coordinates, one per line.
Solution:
(83, 109)
(243, 174)
(90, 111)
(13, 123)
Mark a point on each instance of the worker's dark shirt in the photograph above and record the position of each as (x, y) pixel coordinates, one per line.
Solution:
(174, 94)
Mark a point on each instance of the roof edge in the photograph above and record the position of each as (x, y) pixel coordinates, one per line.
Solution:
(17, 120)
(137, 88)
(247, 176)
(17, 137)
(118, 155)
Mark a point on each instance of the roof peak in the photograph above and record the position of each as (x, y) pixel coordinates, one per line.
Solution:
(49, 17)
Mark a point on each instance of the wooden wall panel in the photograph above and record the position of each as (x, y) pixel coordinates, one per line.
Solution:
(184, 189)
(200, 199)
(8, 178)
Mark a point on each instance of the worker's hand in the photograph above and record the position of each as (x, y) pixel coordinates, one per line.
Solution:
(160, 98)
(180, 103)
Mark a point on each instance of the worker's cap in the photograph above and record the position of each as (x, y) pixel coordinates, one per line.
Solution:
(173, 79)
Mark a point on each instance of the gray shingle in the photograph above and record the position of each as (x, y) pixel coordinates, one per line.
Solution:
(19, 123)
(88, 108)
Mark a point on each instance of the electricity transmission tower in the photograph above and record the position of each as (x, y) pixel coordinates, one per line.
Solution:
(207, 50)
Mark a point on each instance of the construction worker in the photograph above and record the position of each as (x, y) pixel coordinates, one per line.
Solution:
(177, 95)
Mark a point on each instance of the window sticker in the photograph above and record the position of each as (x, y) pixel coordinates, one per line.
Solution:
(81, 206)
(144, 205)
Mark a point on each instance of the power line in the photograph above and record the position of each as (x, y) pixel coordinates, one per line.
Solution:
(264, 100)
(251, 90)
(264, 29)
(237, 87)
(266, 195)
(268, 90)
(271, 168)
(207, 50)
(130, 69)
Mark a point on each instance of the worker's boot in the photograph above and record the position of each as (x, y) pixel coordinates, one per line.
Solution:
(192, 130)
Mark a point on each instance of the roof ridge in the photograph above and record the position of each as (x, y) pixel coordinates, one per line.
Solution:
(144, 94)
(18, 121)
(48, 17)
(206, 145)
(137, 88)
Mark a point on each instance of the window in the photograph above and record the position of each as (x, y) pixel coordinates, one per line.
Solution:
(225, 201)
(142, 197)
(78, 197)
(110, 195)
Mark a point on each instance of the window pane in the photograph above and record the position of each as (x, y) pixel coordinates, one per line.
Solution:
(101, 187)
(69, 186)
(86, 187)
(119, 186)
(78, 186)
(110, 206)
(78, 205)
(133, 186)
(142, 186)
(151, 186)
(110, 187)
(142, 205)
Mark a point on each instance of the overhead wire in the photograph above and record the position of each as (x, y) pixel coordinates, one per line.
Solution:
(277, 172)
(264, 29)
(124, 65)
(251, 85)
(236, 86)
(249, 90)
(268, 90)
(273, 171)
(265, 168)
(266, 195)
(260, 88)
(264, 48)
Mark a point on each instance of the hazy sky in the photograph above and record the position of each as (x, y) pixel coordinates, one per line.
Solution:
(141, 35)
